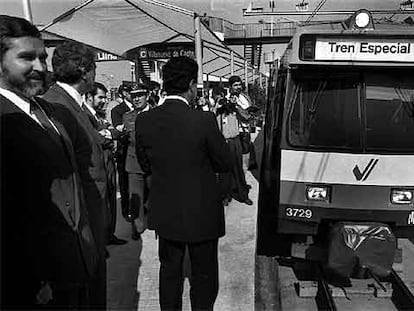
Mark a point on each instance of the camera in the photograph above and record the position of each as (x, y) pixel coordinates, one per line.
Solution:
(226, 106)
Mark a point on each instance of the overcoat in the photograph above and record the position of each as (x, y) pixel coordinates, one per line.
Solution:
(183, 149)
(45, 235)
(89, 157)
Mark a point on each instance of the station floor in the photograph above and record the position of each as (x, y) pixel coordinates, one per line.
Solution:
(132, 278)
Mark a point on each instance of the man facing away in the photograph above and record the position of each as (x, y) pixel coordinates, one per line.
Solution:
(74, 70)
(48, 251)
(182, 149)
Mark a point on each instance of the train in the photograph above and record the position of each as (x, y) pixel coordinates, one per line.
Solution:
(338, 134)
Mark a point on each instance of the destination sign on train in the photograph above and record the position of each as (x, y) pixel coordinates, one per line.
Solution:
(374, 50)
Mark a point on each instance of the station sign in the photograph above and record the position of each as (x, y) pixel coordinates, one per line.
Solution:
(373, 50)
(104, 57)
(164, 51)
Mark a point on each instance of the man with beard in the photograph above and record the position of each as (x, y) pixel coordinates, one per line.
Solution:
(117, 114)
(241, 109)
(95, 103)
(74, 70)
(48, 251)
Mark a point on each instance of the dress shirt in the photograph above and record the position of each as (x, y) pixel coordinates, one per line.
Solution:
(72, 92)
(24, 106)
(176, 97)
(147, 107)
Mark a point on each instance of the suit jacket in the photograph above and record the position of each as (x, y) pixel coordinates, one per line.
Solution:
(40, 239)
(117, 116)
(89, 157)
(183, 148)
(117, 113)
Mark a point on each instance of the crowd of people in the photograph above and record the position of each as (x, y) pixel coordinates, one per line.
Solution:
(65, 151)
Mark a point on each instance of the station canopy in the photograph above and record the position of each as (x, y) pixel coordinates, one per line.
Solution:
(118, 26)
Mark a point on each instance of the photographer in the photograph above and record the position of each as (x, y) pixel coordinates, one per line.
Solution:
(229, 116)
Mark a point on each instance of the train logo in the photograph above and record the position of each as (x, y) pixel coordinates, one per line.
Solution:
(367, 170)
(411, 218)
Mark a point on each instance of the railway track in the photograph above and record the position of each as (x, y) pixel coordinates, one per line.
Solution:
(402, 298)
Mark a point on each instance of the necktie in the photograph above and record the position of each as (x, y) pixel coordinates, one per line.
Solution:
(53, 133)
(44, 121)
(90, 116)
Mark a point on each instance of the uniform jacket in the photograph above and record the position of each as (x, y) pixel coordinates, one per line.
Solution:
(89, 157)
(40, 241)
(183, 149)
(132, 164)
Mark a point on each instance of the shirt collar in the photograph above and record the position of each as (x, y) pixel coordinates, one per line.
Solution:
(91, 109)
(72, 92)
(17, 100)
(177, 97)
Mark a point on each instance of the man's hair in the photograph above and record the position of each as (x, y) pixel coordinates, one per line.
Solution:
(70, 60)
(153, 85)
(234, 79)
(98, 86)
(217, 90)
(177, 74)
(15, 27)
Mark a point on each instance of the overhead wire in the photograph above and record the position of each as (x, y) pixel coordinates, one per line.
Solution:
(315, 11)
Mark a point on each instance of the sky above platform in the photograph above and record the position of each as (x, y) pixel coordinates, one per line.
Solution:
(45, 10)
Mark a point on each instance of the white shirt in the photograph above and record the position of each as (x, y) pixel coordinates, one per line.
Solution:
(72, 92)
(242, 101)
(23, 105)
(176, 97)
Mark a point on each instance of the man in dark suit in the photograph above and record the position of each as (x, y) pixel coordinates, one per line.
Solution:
(95, 101)
(47, 247)
(117, 114)
(183, 149)
(74, 70)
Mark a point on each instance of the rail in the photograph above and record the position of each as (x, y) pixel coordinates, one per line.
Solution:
(402, 297)
(250, 30)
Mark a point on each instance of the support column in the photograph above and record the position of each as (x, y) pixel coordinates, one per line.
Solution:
(27, 10)
(198, 50)
(232, 62)
(246, 75)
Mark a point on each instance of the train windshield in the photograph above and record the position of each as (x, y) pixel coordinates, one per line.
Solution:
(371, 110)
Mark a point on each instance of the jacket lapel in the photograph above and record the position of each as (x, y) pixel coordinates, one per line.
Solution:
(31, 130)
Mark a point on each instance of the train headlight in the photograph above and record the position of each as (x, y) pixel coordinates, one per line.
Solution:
(401, 196)
(317, 193)
(362, 19)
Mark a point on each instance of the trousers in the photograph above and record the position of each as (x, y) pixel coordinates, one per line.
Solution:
(204, 274)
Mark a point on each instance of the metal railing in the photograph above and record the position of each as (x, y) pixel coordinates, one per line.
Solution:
(250, 30)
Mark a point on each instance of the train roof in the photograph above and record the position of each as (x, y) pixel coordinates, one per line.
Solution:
(345, 31)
